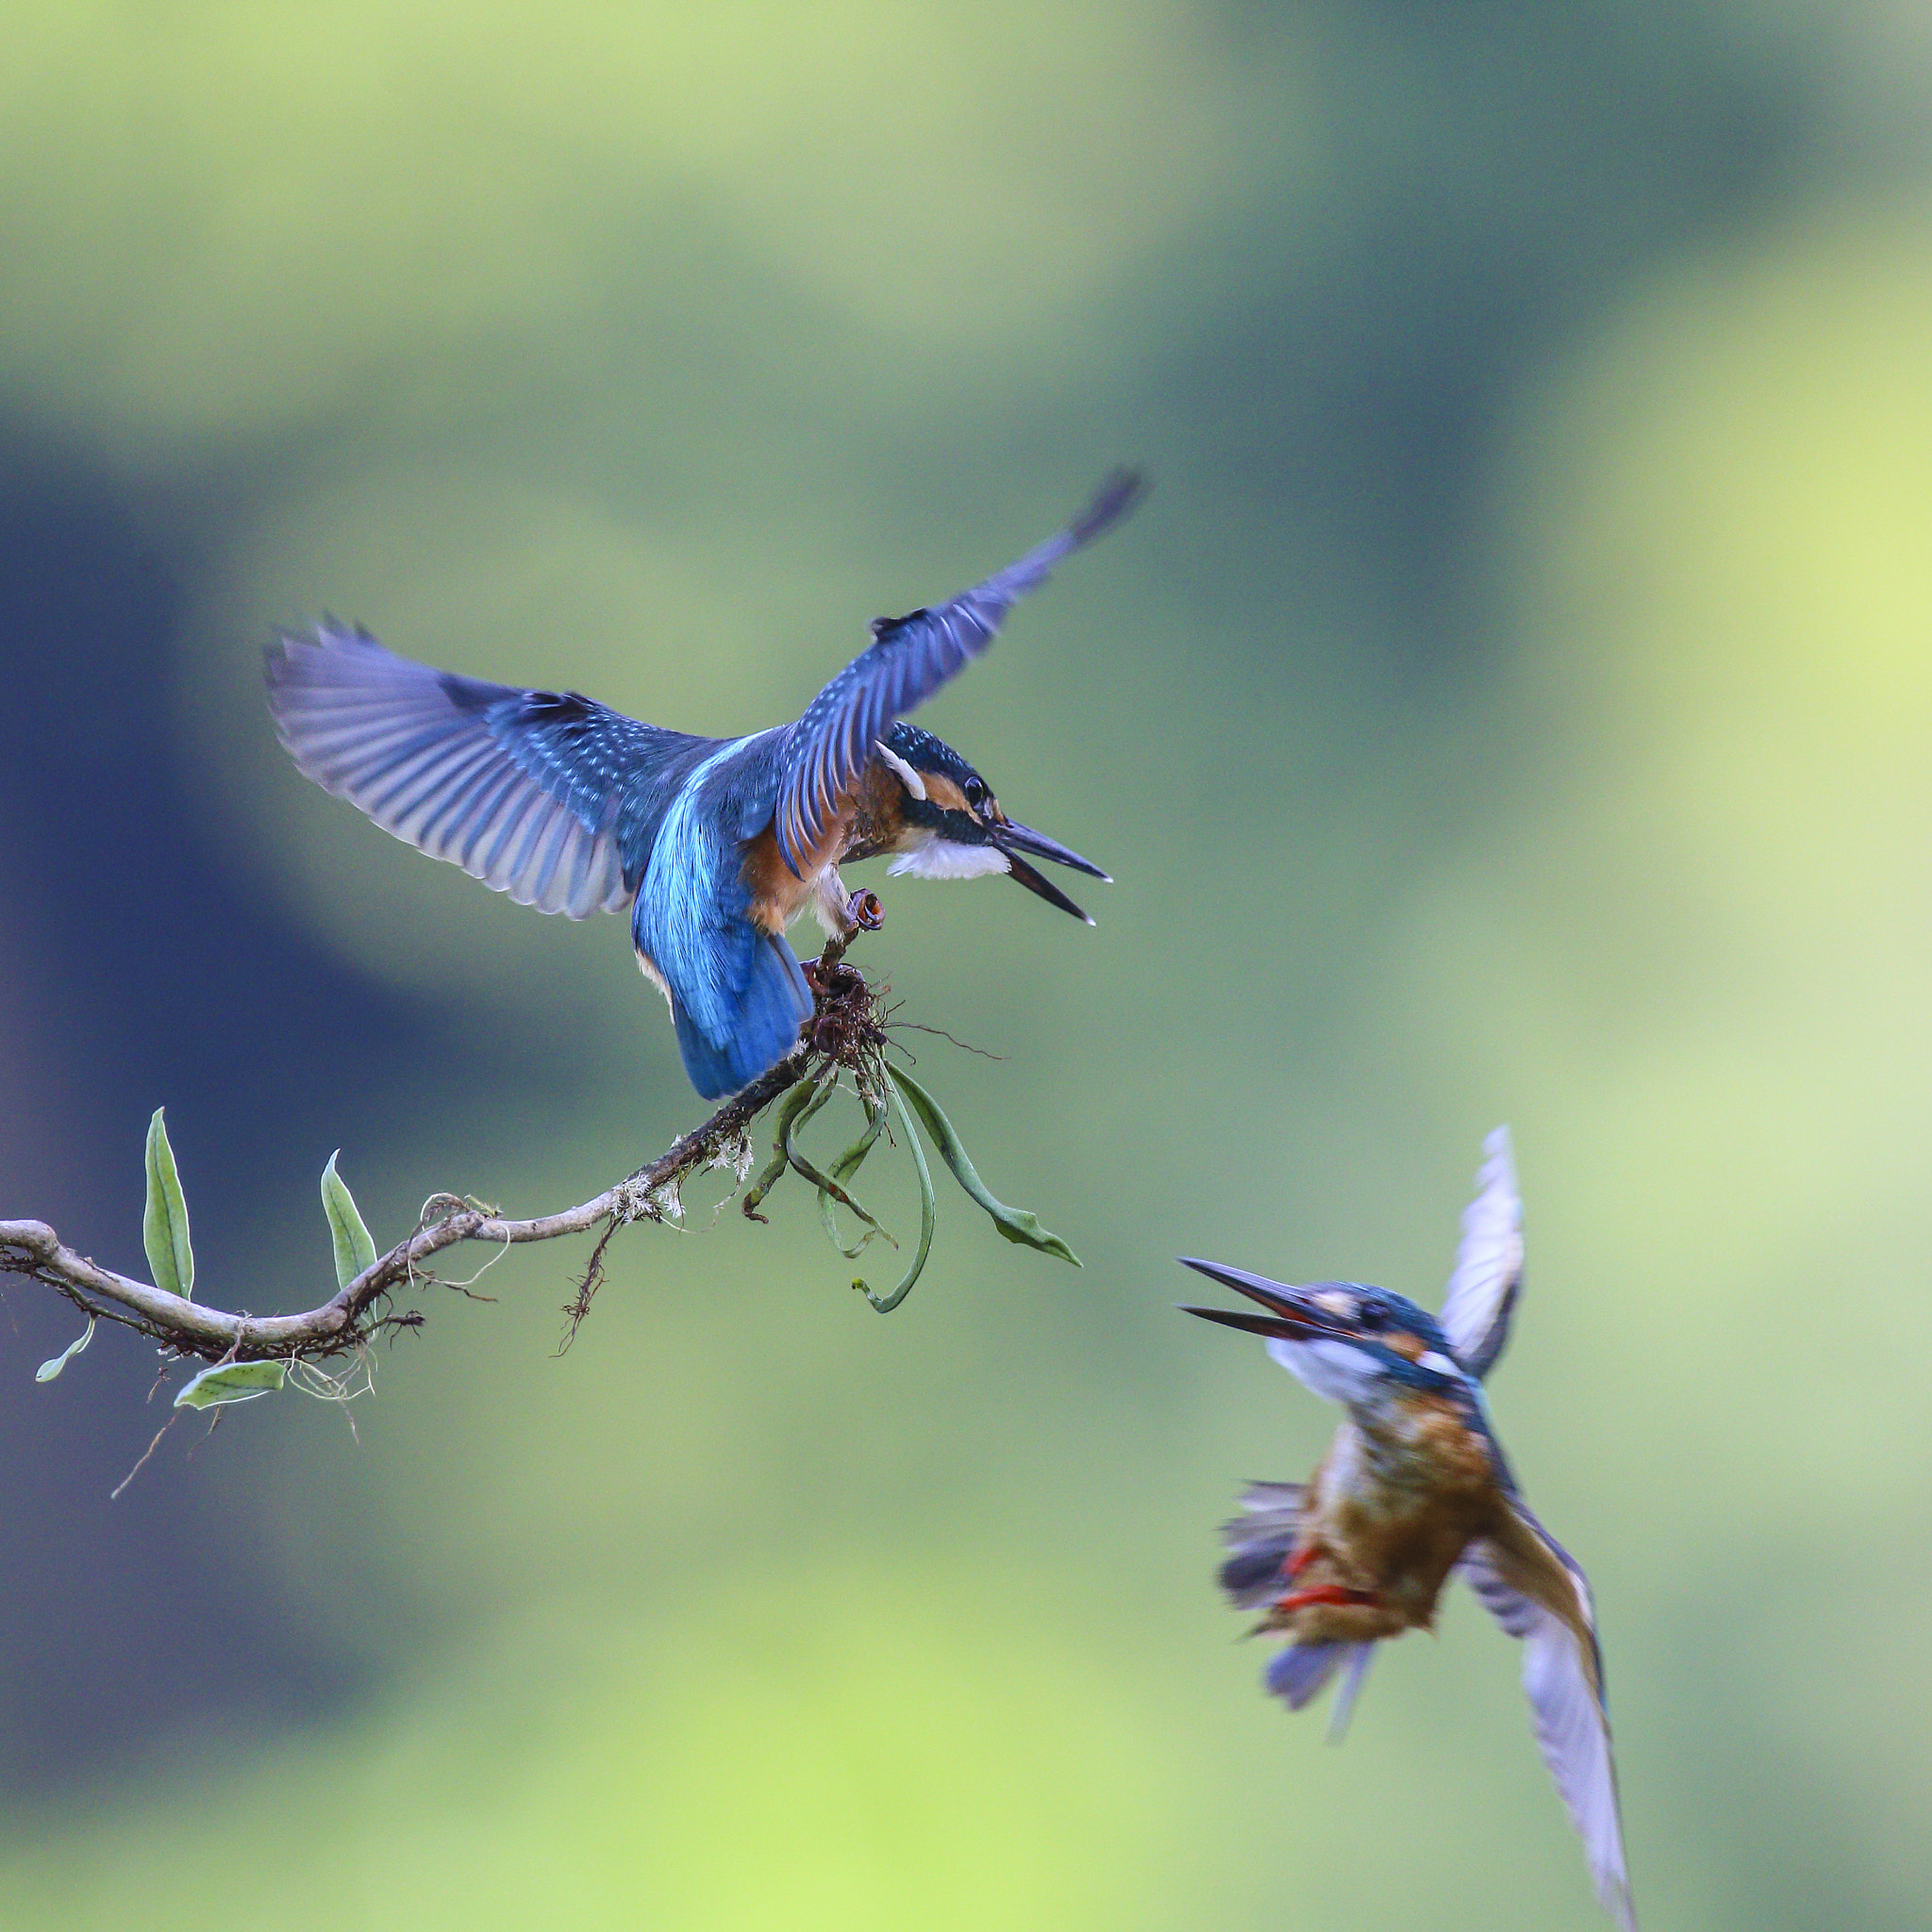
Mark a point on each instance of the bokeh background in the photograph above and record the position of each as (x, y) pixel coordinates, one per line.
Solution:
(1514, 703)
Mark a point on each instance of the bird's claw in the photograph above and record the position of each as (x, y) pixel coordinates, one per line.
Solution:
(863, 912)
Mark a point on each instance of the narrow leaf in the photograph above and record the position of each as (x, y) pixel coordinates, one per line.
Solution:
(1016, 1223)
(48, 1370)
(800, 1097)
(232, 1382)
(164, 1224)
(886, 1303)
(355, 1251)
(826, 1184)
(848, 1164)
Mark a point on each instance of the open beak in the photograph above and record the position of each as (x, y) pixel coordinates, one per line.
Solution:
(1290, 1312)
(1013, 839)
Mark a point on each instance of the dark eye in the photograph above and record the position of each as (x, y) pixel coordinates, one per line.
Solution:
(975, 793)
(1372, 1316)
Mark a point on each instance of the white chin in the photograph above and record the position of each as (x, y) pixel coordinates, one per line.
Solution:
(940, 859)
(1332, 1370)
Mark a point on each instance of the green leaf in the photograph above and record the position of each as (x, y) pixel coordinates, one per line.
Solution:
(355, 1251)
(829, 1184)
(848, 1164)
(232, 1382)
(807, 1094)
(48, 1370)
(1016, 1223)
(885, 1304)
(164, 1224)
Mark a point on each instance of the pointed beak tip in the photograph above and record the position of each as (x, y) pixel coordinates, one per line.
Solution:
(1014, 837)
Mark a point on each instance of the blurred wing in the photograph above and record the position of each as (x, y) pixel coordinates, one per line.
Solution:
(532, 791)
(1259, 1543)
(1489, 1263)
(908, 660)
(1532, 1587)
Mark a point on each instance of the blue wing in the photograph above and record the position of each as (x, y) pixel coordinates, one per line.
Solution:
(1532, 1586)
(1489, 1263)
(545, 795)
(908, 660)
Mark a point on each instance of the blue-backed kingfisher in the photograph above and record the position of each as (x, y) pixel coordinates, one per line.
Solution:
(1414, 1487)
(716, 845)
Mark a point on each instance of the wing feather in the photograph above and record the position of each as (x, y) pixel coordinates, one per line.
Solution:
(545, 795)
(1535, 1589)
(1489, 1263)
(908, 660)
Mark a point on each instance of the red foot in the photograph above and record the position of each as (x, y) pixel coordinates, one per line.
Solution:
(1323, 1593)
(1302, 1558)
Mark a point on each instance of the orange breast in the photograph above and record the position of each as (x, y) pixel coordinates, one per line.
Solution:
(778, 895)
(1391, 1538)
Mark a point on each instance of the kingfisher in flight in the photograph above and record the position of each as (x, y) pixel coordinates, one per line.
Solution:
(716, 845)
(1415, 1487)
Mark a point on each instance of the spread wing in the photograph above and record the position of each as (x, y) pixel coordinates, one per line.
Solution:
(1489, 1263)
(1534, 1588)
(909, 659)
(545, 795)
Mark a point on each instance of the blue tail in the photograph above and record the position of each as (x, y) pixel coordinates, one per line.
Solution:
(1298, 1673)
(765, 1025)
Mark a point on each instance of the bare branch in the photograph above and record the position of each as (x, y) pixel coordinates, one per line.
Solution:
(842, 1020)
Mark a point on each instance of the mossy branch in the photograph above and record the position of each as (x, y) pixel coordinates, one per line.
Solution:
(248, 1355)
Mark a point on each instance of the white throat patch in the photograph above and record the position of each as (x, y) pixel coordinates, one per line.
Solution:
(929, 857)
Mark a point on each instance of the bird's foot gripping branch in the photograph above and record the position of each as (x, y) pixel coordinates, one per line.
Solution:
(237, 1357)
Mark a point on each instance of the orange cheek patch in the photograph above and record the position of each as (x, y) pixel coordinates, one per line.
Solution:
(944, 794)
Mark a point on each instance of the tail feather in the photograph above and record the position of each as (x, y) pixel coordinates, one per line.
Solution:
(1343, 1707)
(1298, 1674)
(765, 1025)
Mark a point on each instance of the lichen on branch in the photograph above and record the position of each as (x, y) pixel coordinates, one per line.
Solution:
(844, 1040)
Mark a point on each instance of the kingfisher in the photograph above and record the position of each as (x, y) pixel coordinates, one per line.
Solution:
(715, 844)
(1415, 1488)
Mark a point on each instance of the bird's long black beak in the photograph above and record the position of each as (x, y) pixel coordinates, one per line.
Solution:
(1013, 839)
(1290, 1312)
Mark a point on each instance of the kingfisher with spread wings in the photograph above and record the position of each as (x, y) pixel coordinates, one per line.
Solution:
(1414, 1488)
(716, 845)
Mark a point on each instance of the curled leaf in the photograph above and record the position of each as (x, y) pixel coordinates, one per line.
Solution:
(48, 1370)
(165, 1221)
(848, 1164)
(825, 1183)
(886, 1303)
(354, 1250)
(1016, 1223)
(231, 1382)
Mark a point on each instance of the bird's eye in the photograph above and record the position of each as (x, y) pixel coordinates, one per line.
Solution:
(975, 793)
(1372, 1316)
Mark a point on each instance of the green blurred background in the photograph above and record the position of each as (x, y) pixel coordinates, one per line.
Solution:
(1513, 703)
